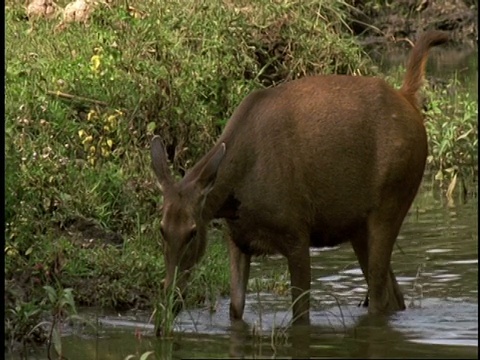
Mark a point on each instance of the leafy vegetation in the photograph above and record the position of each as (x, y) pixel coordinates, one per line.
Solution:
(82, 102)
(451, 112)
(452, 130)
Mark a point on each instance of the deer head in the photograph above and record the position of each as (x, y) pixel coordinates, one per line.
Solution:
(183, 228)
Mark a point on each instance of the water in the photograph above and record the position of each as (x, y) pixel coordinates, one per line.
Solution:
(436, 264)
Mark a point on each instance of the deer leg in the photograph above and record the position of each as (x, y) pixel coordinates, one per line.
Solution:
(383, 289)
(300, 277)
(360, 245)
(239, 273)
(394, 289)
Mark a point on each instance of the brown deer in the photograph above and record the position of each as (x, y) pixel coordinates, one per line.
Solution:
(313, 162)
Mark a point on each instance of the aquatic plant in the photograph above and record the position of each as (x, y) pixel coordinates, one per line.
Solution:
(166, 308)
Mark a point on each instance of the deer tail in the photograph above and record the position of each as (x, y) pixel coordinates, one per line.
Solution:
(416, 64)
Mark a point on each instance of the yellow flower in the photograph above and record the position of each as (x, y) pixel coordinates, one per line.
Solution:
(91, 114)
(109, 143)
(88, 139)
(95, 63)
(81, 133)
(112, 120)
(11, 251)
(105, 152)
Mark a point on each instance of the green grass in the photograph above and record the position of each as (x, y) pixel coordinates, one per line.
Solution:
(451, 113)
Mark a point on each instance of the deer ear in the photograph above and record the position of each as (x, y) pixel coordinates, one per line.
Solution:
(160, 164)
(208, 175)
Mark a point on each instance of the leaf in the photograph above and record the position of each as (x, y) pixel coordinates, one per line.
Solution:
(451, 169)
(464, 135)
(151, 127)
(57, 341)
(67, 299)
(146, 355)
(52, 295)
(439, 175)
(443, 146)
(451, 187)
(29, 250)
(40, 324)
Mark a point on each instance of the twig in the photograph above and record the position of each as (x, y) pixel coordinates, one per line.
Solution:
(74, 97)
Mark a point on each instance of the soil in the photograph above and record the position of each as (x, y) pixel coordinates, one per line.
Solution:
(399, 22)
(86, 233)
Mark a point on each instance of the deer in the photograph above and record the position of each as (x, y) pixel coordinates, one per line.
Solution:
(313, 162)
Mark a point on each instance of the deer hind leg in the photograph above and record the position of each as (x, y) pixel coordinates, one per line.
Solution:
(395, 291)
(239, 273)
(383, 290)
(300, 278)
(359, 243)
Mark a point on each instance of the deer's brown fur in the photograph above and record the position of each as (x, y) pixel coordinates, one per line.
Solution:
(310, 163)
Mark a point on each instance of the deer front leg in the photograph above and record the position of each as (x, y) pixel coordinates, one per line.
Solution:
(239, 273)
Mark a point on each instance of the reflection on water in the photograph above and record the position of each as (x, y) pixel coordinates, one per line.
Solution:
(437, 266)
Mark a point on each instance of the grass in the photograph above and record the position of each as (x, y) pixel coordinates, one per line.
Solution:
(452, 130)
(164, 313)
(451, 112)
(81, 203)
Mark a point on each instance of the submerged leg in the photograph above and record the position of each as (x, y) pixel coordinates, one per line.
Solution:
(360, 245)
(239, 273)
(300, 277)
(384, 291)
(395, 291)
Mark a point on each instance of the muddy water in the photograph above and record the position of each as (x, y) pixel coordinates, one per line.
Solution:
(436, 264)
